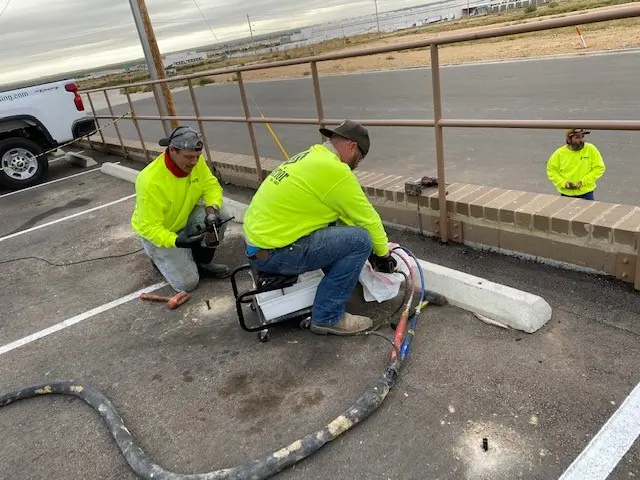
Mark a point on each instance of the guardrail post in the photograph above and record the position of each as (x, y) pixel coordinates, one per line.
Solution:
(115, 124)
(104, 142)
(252, 135)
(637, 282)
(88, 137)
(437, 116)
(196, 110)
(135, 123)
(318, 95)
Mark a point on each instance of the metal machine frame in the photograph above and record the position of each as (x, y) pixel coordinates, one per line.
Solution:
(264, 282)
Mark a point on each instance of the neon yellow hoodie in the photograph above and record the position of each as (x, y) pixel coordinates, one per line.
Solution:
(165, 197)
(566, 165)
(306, 193)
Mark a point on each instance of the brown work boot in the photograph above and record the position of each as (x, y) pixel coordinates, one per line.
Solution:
(347, 325)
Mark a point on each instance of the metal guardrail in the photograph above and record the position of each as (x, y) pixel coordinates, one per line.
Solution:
(438, 122)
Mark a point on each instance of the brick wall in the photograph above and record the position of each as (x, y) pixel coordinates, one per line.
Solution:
(598, 236)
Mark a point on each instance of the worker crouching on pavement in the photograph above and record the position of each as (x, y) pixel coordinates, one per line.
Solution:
(288, 225)
(575, 167)
(169, 216)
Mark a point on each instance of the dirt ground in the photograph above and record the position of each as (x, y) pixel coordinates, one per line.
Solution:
(613, 35)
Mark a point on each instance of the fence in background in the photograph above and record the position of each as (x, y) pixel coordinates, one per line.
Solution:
(438, 123)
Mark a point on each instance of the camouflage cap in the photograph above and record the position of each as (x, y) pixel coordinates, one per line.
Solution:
(577, 131)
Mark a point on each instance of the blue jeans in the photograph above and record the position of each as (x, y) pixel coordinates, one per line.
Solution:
(340, 252)
(585, 196)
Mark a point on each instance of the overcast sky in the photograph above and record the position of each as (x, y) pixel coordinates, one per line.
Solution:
(43, 37)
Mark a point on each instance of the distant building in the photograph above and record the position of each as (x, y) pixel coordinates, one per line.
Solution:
(305, 34)
(103, 73)
(178, 59)
(494, 6)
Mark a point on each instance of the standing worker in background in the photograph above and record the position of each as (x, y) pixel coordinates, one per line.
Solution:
(169, 217)
(575, 167)
(288, 228)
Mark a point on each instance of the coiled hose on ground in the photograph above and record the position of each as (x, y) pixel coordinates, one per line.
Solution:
(264, 467)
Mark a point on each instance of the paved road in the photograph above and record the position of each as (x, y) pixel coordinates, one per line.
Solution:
(599, 87)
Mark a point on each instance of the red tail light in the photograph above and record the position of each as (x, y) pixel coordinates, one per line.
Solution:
(77, 99)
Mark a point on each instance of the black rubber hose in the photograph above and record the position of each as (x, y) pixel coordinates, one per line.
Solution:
(265, 467)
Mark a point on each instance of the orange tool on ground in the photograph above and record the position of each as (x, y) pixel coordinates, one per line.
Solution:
(172, 302)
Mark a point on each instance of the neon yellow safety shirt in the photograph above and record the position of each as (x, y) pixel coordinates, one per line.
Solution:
(306, 193)
(566, 165)
(165, 197)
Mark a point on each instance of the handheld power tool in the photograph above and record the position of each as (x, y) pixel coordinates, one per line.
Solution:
(211, 238)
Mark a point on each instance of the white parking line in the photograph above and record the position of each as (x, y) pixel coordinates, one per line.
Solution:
(38, 227)
(52, 181)
(611, 443)
(78, 318)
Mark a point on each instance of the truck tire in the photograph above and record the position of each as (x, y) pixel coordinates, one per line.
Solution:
(19, 167)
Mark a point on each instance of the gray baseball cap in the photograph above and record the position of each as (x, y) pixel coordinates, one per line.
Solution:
(352, 131)
(184, 138)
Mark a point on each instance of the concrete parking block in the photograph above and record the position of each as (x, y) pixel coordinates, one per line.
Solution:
(515, 308)
(512, 307)
(80, 159)
(119, 171)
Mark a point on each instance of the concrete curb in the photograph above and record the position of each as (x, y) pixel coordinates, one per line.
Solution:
(236, 209)
(119, 171)
(514, 308)
(79, 159)
(233, 207)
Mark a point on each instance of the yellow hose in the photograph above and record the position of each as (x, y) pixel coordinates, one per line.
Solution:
(273, 134)
(275, 139)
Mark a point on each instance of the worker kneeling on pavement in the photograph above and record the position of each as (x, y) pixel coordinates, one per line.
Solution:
(288, 225)
(170, 217)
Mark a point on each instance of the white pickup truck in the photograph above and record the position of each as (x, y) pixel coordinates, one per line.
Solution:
(34, 120)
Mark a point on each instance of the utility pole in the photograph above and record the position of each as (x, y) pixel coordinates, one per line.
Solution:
(377, 18)
(251, 32)
(154, 60)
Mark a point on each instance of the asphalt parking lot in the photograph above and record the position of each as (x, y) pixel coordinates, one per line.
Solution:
(200, 394)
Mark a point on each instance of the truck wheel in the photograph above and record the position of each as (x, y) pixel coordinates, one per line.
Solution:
(19, 167)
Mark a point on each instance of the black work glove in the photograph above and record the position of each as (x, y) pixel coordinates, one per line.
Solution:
(184, 241)
(383, 264)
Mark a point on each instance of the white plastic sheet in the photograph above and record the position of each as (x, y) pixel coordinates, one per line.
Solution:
(381, 287)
